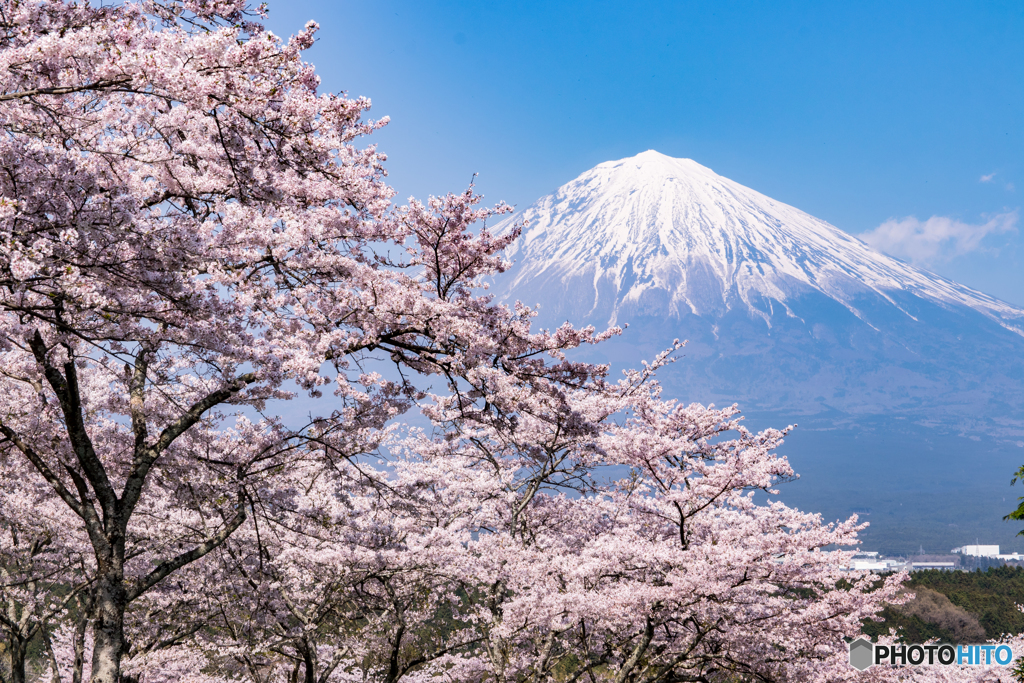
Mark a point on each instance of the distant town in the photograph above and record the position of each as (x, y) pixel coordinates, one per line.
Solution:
(964, 558)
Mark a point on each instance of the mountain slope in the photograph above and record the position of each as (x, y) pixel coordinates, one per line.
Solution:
(782, 310)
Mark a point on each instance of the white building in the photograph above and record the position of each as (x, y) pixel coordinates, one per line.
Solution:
(876, 565)
(978, 550)
(861, 566)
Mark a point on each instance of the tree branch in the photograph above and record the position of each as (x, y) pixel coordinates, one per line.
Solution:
(66, 388)
(52, 479)
(169, 566)
(137, 396)
(145, 459)
(67, 89)
(638, 652)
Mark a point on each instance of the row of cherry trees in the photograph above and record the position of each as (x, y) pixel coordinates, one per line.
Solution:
(191, 239)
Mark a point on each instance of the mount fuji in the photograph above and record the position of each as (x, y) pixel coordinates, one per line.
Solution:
(780, 308)
(887, 367)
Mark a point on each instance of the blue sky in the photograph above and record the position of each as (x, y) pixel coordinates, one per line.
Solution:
(902, 121)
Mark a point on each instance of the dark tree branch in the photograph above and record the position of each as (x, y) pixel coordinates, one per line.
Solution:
(169, 566)
(52, 479)
(66, 388)
(144, 460)
(67, 89)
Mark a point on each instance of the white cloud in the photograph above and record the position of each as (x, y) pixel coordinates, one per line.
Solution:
(987, 178)
(937, 239)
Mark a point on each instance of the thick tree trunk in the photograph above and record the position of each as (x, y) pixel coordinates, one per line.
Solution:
(80, 629)
(16, 650)
(108, 628)
(308, 662)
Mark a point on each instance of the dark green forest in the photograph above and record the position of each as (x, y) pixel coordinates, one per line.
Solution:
(957, 607)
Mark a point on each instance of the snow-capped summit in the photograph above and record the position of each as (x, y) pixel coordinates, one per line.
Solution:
(655, 235)
(781, 309)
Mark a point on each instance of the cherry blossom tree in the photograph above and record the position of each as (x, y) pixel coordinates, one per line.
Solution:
(509, 551)
(672, 573)
(189, 236)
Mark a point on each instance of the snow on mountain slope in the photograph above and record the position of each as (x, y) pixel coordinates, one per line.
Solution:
(781, 310)
(661, 236)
